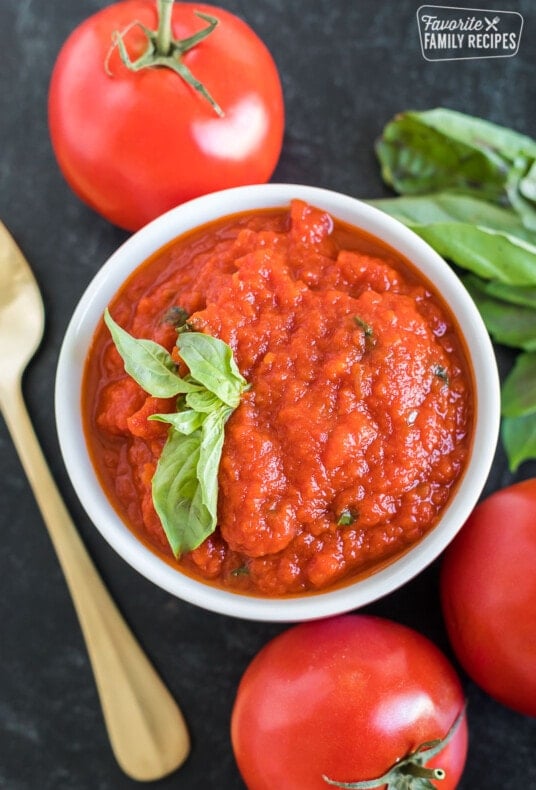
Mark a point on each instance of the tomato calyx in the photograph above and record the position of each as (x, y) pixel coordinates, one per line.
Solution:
(164, 51)
(410, 772)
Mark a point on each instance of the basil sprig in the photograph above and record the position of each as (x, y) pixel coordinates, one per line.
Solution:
(468, 187)
(519, 410)
(485, 239)
(185, 483)
(441, 149)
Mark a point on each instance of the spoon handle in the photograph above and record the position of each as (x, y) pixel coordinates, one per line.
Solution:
(146, 728)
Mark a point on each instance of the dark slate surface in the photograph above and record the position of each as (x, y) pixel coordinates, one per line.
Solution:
(347, 67)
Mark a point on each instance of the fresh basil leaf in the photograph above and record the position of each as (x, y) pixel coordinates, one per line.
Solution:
(508, 324)
(486, 250)
(440, 149)
(524, 295)
(185, 422)
(518, 394)
(448, 206)
(417, 156)
(148, 363)
(185, 485)
(211, 362)
(488, 253)
(203, 401)
(524, 207)
(177, 493)
(527, 185)
(519, 439)
(212, 436)
(479, 133)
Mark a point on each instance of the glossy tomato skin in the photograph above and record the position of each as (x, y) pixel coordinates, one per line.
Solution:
(488, 594)
(344, 697)
(135, 144)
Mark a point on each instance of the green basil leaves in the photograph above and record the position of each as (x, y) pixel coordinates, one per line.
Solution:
(185, 484)
(519, 410)
(468, 188)
(485, 239)
(440, 149)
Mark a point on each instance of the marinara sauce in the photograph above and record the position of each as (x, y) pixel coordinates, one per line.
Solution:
(358, 420)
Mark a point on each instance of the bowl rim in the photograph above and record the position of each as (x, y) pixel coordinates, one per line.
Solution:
(133, 252)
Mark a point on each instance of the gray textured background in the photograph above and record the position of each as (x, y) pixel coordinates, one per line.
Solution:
(347, 66)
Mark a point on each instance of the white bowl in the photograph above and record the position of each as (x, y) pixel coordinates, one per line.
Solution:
(198, 212)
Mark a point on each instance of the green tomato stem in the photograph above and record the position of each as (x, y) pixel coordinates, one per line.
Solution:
(163, 34)
(408, 772)
(163, 51)
(422, 772)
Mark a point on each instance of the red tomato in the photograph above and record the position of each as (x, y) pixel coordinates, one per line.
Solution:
(133, 144)
(488, 591)
(346, 698)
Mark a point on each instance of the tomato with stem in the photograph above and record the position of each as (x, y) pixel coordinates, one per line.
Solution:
(353, 701)
(152, 103)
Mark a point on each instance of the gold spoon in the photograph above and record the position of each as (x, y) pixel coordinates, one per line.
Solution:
(146, 728)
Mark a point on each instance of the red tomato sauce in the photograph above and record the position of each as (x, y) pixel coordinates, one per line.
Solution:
(358, 420)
